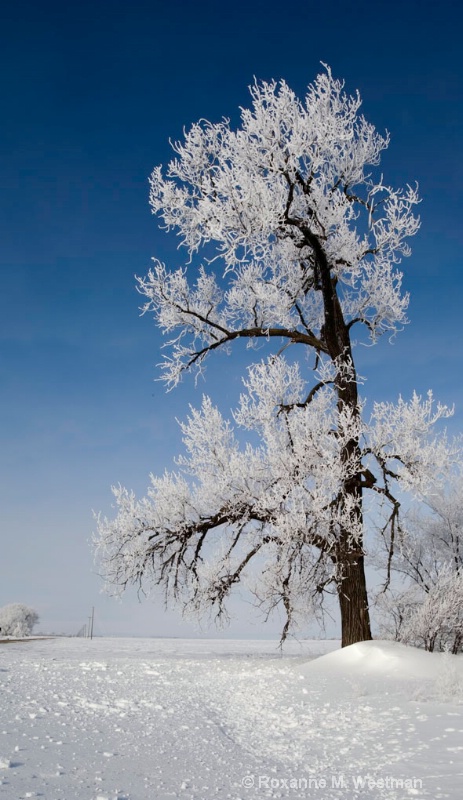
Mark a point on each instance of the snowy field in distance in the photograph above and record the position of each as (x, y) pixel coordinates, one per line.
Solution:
(156, 719)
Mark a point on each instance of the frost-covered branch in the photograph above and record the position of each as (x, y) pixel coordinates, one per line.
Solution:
(236, 513)
(196, 317)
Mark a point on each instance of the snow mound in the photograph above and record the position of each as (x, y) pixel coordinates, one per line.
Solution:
(377, 659)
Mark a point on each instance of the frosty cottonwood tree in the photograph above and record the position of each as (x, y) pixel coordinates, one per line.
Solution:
(305, 244)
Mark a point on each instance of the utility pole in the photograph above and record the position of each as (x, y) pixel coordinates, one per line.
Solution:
(91, 623)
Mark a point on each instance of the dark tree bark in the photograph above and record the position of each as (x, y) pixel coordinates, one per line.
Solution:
(353, 601)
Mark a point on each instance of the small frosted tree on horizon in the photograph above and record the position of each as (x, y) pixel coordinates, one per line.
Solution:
(302, 240)
(17, 619)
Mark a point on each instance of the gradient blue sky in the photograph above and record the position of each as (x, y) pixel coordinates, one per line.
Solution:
(90, 94)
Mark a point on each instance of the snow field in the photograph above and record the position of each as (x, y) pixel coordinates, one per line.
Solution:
(122, 719)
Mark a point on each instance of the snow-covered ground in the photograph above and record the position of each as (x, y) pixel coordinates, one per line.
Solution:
(152, 719)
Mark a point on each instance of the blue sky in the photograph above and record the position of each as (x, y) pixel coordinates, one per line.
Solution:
(90, 94)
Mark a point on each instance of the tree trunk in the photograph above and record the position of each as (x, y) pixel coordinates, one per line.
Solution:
(352, 589)
(353, 602)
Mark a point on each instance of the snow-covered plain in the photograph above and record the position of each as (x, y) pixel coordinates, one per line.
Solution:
(152, 719)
